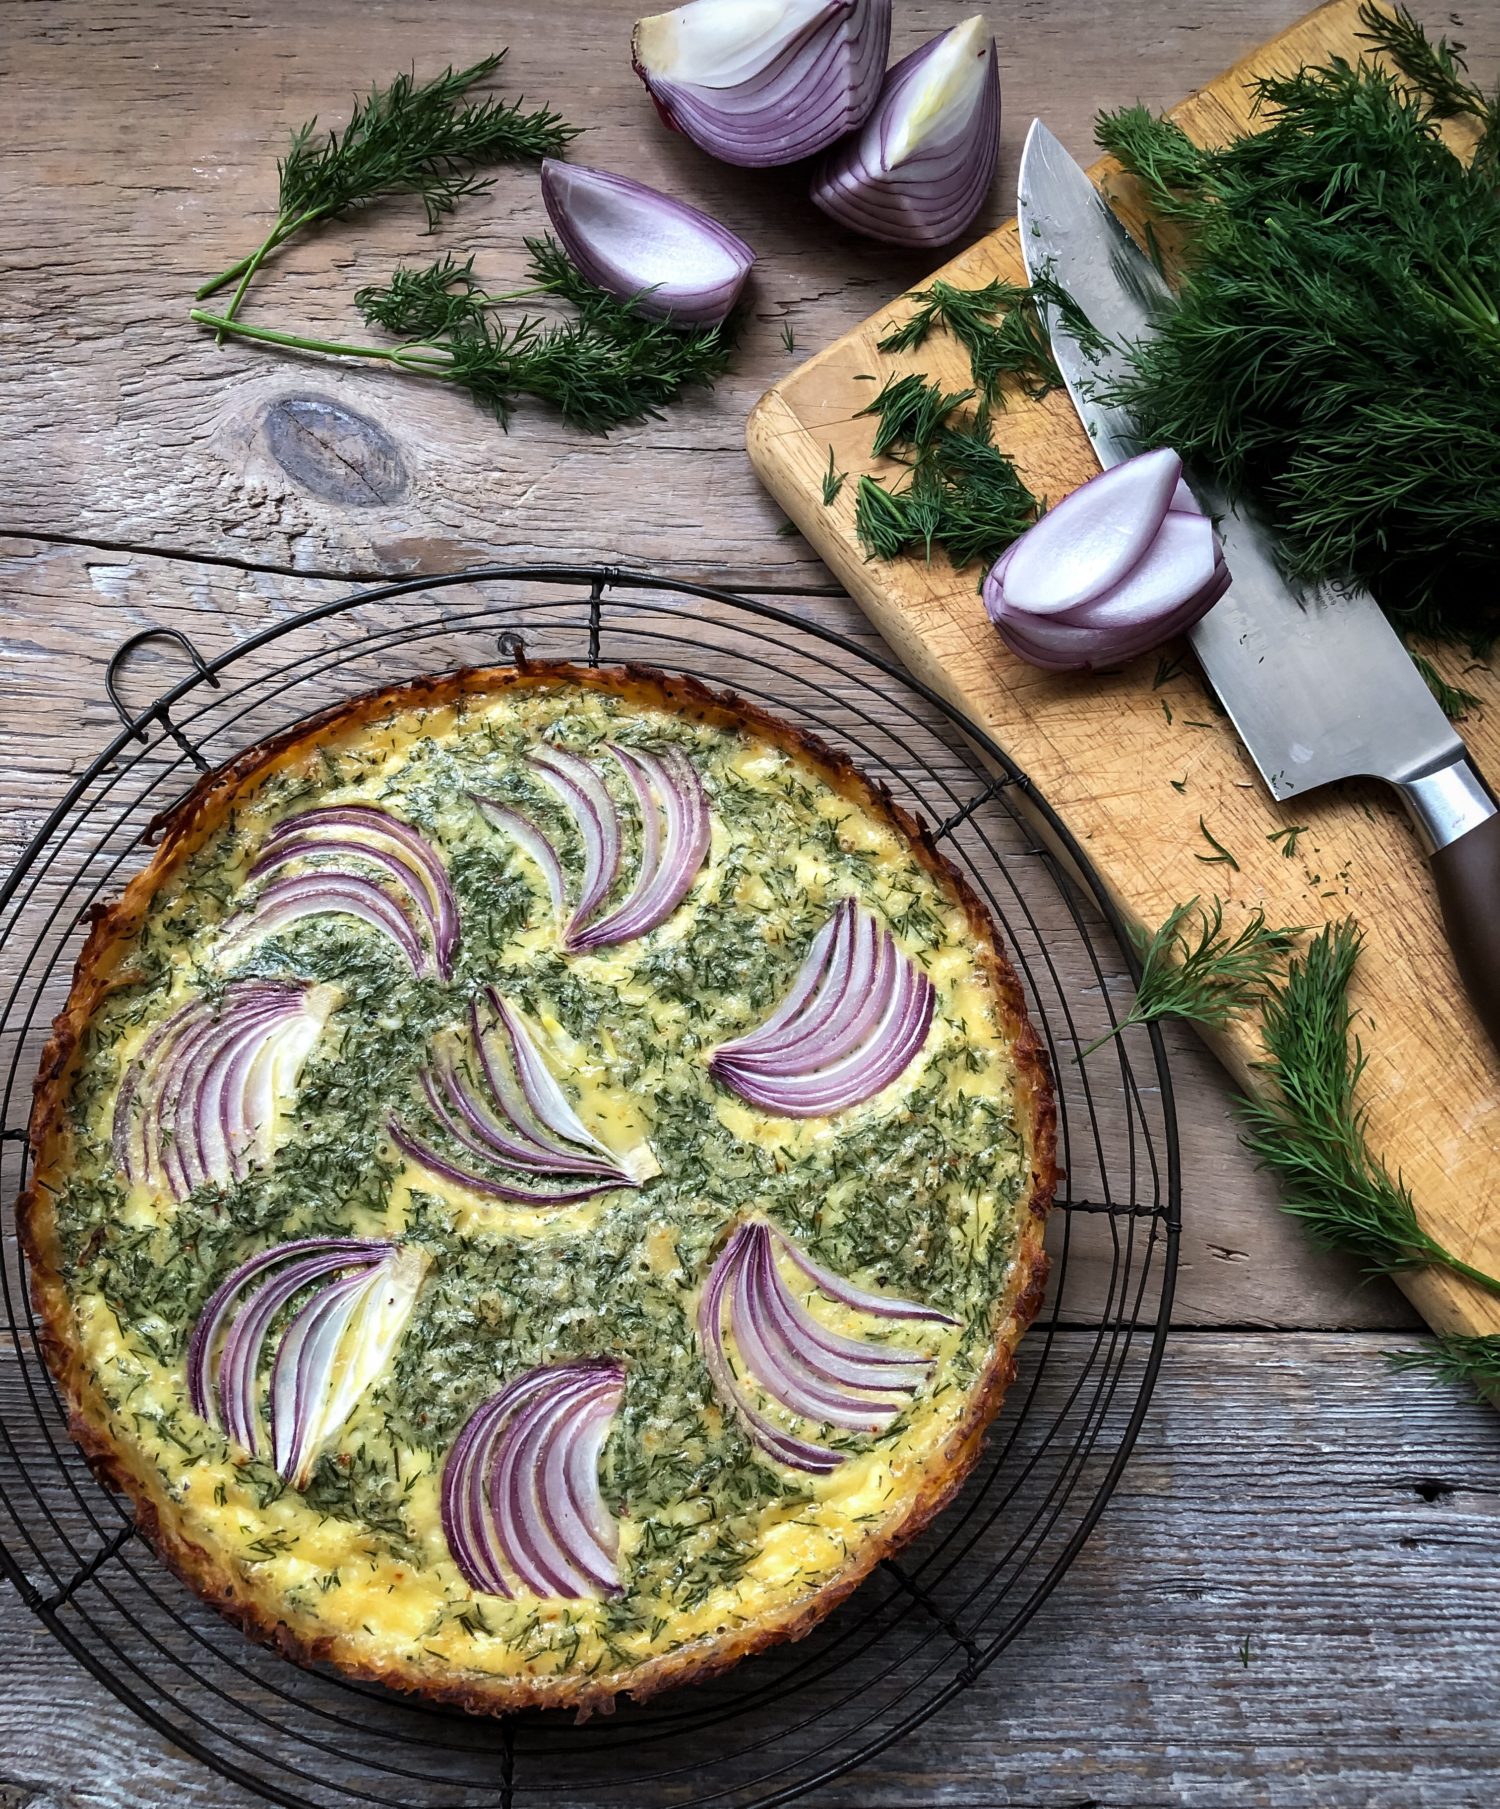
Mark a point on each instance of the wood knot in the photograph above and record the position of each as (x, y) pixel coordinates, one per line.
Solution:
(335, 453)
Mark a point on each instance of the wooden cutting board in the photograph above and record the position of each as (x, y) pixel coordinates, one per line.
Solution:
(1104, 751)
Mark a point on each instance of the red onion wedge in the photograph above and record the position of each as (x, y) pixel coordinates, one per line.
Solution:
(761, 82)
(521, 1503)
(419, 913)
(201, 1102)
(918, 170)
(330, 1352)
(676, 829)
(668, 259)
(1126, 563)
(856, 1017)
(499, 1101)
(811, 1372)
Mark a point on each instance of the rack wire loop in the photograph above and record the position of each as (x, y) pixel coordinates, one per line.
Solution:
(799, 1716)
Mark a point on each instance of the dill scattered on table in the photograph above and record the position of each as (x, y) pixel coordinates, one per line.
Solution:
(1221, 857)
(788, 337)
(1308, 1130)
(1336, 348)
(1287, 836)
(420, 138)
(1193, 968)
(833, 482)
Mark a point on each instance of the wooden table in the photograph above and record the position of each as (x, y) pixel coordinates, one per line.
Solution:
(1294, 1597)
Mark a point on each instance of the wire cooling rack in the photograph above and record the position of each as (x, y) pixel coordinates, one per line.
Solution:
(925, 1625)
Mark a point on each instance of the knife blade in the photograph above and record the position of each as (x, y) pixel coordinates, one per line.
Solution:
(1316, 682)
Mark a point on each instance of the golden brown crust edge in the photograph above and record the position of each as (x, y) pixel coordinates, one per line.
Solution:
(184, 830)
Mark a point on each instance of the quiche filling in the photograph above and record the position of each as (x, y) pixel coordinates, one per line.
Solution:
(538, 1184)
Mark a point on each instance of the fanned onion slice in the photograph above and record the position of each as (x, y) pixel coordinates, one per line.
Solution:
(521, 1502)
(335, 1347)
(856, 1017)
(918, 170)
(420, 915)
(503, 1104)
(762, 82)
(811, 1372)
(201, 1101)
(676, 830)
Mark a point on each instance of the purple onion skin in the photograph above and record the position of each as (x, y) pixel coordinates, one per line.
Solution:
(793, 120)
(913, 204)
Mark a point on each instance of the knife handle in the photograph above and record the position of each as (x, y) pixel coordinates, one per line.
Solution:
(1458, 820)
(1467, 873)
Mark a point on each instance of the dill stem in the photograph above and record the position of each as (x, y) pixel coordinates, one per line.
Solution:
(252, 260)
(1490, 1283)
(428, 361)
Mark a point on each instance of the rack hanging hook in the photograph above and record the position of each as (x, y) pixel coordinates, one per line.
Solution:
(156, 712)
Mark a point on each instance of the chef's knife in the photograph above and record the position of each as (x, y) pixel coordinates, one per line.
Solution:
(1316, 682)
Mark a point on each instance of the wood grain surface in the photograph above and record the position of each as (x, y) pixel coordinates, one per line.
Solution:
(1136, 768)
(1288, 1487)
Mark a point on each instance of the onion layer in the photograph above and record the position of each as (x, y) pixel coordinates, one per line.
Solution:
(201, 1102)
(812, 1373)
(761, 82)
(498, 1100)
(419, 913)
(670, 260)
(855, 1018)
(1121, 565)
(521, 1502)
(918, 170)
(675, 832)
(330, 1352)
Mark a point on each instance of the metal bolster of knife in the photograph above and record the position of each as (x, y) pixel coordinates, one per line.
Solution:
(1447, 802)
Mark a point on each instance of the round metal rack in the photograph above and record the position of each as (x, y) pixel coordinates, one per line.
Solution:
(927, 1624)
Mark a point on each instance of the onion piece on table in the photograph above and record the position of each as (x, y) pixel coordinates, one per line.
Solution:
(761, 82)
(676, 830)
(500, 1102)
(670, 260)
(1126, 562)
(918, 170)
(332, 1350)
(521, 1503)
(201, 1102)
(811, 1372)
(414, 905)
(857, 1015)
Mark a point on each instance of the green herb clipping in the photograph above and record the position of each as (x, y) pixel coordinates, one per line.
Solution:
(1309, 1132)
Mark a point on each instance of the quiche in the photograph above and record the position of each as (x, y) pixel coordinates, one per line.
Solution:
(537, 1185)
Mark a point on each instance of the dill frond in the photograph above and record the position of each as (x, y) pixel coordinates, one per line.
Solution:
(411, 137)
(833, 482)
(1471, 1359)
(1455, 701)
(998, 325)
(1309, 1131)
(1192, 968)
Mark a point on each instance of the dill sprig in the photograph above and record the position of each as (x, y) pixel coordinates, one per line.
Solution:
(833, 482)
(1193, 968)
(420, 138)
(609, 365)
(1469, 1358)
(1336, 348)
(911, 410)
(1455, 701)
(1309, 1132)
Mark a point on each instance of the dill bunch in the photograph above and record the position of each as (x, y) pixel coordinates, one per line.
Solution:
(1336, 350)
(608, 365)
(411, 137)
(1309, 1132)
(1193, 968)
(1469, 1358)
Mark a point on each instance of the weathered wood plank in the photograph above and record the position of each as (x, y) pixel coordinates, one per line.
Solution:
(1345, 1529)
(143, 141)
